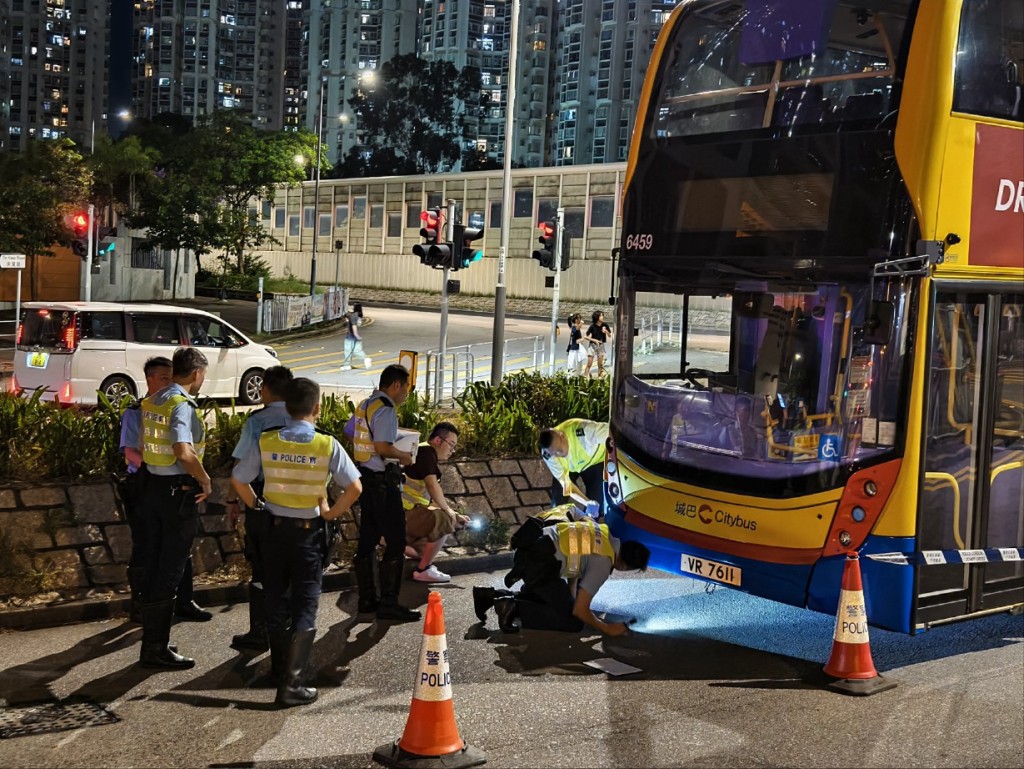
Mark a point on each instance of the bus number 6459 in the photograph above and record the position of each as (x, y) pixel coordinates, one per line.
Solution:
(639, 242)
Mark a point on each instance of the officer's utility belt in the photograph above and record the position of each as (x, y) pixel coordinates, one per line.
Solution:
(391, 474)
(296, 523)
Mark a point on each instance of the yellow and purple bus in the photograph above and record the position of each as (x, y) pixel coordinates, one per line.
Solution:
(827, 198)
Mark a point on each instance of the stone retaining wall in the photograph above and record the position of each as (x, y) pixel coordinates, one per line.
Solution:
(72, 538)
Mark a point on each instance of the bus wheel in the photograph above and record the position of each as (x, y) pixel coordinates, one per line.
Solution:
(117, 387)
(250, 391)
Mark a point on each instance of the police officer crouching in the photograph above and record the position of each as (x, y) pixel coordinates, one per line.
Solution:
(176, 484)
(297, 463)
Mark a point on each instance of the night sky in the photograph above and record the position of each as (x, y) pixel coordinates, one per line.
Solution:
(120, 61)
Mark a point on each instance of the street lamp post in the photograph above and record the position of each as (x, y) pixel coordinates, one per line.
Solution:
(316, 188)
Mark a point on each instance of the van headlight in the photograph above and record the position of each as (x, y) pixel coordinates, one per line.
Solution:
(271, 351)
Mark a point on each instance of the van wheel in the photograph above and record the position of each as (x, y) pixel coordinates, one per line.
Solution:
(250, 392)
(117, 388)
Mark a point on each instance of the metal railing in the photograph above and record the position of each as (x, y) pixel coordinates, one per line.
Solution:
(448, 374)
(659, 329)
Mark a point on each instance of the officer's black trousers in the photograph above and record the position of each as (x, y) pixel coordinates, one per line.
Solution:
(173, 523)
(545, 602)
(381, 515)
(257, 524)
(593, 480)
(292, 573)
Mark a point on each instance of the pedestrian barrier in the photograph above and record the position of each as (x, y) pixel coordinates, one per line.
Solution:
(850, 663)
(449, 373)
(431, 737)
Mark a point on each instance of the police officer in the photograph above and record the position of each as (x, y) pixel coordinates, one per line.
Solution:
(272, 416)
(382, 512)
(572, 450)
(563, 564)
(176, 484)
(297, 462)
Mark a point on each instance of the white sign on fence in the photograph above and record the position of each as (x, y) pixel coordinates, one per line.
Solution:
(12, 261)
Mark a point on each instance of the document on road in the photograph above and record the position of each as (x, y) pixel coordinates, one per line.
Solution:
(612, 666)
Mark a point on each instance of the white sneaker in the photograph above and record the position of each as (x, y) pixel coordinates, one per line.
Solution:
(430, 574)
(367, 362)
(346, 368)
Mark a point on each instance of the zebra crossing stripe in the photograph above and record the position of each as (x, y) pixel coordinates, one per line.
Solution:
(941, 557)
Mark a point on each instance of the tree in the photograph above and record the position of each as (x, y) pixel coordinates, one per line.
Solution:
(410, 120)
(116, 167)
(39, 189)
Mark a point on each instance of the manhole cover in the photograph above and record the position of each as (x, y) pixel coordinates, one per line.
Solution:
(52, 717)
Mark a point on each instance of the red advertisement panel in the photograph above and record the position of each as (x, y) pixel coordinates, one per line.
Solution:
(997, 202)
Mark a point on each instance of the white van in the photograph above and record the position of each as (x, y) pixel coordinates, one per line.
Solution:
(71, 350)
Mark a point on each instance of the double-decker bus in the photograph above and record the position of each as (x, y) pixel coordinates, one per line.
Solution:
(828, 199)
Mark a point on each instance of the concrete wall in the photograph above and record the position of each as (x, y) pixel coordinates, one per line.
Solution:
(71, 539)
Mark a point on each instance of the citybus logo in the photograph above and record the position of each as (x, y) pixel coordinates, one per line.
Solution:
(707, 515)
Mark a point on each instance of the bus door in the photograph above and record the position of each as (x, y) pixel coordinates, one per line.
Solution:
(972, 499)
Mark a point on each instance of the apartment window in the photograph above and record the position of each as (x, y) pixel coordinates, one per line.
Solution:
(341, 216)
(602, 211)
(279, 214)
(325, 225)
(359, 208)
(307, 217)
(293, 225)
(377, 216)
(394, 225)
(522, 205)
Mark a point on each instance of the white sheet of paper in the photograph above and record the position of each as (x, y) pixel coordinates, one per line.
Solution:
(612, 666)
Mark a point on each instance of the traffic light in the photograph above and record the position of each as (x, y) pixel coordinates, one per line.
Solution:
(432, 252)
(546, 254)
(80, 229)
(105, 244)
(466, 254)
(565, 251)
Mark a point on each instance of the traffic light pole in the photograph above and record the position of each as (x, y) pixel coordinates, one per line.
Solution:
(90, 249)
(557, 260)
(449, 226)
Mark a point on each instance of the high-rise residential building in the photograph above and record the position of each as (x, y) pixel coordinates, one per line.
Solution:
(602, 48)
(54, 65)
(195, 56)
(347, 42)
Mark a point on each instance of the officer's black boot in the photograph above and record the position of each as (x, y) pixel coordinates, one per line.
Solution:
(366, 580)
(390, 581)
(136, 574)
(280, 642)
(291, 692)
(505, 608)
(484, 598)
(185, 608)
(256, 638)
(156, 630)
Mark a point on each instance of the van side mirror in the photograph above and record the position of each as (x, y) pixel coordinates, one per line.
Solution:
(879, 323)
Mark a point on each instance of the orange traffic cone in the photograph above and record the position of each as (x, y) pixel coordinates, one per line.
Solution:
(431, 738)
(851, 662)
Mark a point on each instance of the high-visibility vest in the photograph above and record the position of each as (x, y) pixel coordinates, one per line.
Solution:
(414, 490)
(579, 457)
(157, 441)
(295, 474)
(362, 441)
(580, 538)
(558, 514)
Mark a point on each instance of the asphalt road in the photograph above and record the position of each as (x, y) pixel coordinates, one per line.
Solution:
(726, 680)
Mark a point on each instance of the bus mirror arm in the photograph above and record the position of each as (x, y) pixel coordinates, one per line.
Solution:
(611, 290)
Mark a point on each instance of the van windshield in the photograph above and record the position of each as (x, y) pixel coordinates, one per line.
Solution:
(51, 329)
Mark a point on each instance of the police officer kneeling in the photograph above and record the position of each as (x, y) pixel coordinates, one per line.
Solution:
(297, 462)
(563, 563)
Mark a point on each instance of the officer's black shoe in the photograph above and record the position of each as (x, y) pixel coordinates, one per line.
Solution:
(192, 612)
(391, 571)
(508, 614)
(256, 638)
(156, 629)
(291, 692)
(366, 581)
(280, 643)
(483, 600)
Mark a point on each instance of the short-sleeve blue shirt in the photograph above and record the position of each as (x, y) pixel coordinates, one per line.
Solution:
(342, 468)
(270, 417)
(185, 426)
(383, 428)
(131, 432)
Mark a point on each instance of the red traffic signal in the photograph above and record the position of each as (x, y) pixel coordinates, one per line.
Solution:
(546, 254)
(80, 224)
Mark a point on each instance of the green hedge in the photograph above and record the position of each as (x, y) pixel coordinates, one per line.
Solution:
(45, 442)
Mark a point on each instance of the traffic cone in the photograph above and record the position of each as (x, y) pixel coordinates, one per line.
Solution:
(850, 663)
(431, 738)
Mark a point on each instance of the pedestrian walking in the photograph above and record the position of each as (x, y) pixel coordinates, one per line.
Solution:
(176, 485)
(597, 336)
(273, 415)
(382, 513)
(354, 341)
(429, 517)
(576, 354)
(297, 462)
(572, 450)
(563, 565)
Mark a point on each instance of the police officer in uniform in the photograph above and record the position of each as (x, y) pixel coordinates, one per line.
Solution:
(572, 450)
(382, 512)
(562, 563)
(297, 462)
(176, 484)
(272, 416)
